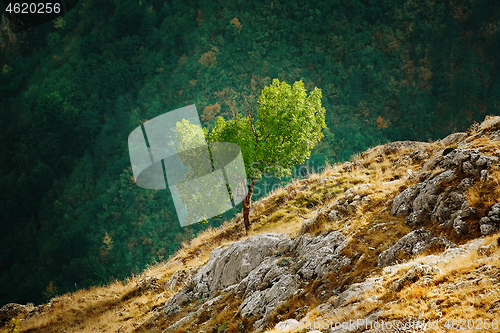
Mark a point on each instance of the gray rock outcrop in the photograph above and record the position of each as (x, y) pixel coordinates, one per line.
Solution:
(453, 138)
(355, 290)
(354, 197)
(177, 280)
(415, 242)
(13, 310)
(433, 199)
(230, 265)
(418, 271)
(264, 270)
(489, 224)
(286, 325)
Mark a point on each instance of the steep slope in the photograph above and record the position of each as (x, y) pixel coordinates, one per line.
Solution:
(405, 233)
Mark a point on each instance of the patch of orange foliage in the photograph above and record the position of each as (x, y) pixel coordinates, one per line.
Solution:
(380, 123)
(210, 112)
(208, 58)
(236, 23)
(199, 17)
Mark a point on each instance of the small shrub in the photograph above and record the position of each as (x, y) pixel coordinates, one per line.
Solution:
(50, 292)
(223, 327)
(473, 128)
(449, 149)
(282, 262)
(14, 326)
(173, 310)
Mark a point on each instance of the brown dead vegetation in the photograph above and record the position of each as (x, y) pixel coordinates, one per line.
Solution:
(121, 307)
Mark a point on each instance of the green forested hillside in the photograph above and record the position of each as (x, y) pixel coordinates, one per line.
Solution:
(70, 212)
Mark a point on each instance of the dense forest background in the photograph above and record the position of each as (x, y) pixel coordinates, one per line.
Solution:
(70, 213)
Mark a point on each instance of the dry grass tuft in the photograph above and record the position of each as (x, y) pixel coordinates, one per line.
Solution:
(490, 123)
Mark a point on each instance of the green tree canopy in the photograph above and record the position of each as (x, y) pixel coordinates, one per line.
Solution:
(281, 134)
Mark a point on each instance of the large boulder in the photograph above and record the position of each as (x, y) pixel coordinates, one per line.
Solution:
(230, 265)
(415, 242)
(418, 271)
(13, 310)
(355, 290)
(489, 224)
(434, 199)
(264, 270)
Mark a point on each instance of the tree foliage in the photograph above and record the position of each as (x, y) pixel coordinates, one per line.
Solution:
(281, 134)
(70, 97)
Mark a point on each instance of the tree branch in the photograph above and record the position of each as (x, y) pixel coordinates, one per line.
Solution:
(250, 112)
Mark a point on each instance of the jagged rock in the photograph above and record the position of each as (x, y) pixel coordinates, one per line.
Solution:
(487, 229)
(467, 167)
(354, 197)
(355, 290)
(311, 224)
(495, 136)
(420, 199)
(255, 269)
(487, 250)
(325, 309)
(230, 265)
(262, 303)
(172, 305)
(489, 224)
(486, 161)
(181, 321)
(426, 200)
(286, 325)
(425, 272)
(172, 310)
(451, 206)
(484, 176)
(458, 157)
(176, 280)
(148, 283)
(453, 138)
(494, 213)
(417, 218)
(460, 226)
(415, 242)
(319, 255)
(490, 123)
(393, 147)
(403, 203)
(347, 167)
(419, 155)
(13, 310)
(483, 274)
(454, 252)
(334, 215)
(261, 277)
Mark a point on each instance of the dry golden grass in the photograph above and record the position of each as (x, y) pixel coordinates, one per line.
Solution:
(370, 227)
(490, 123)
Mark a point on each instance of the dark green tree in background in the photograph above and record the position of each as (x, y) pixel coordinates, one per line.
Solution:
(71, 91)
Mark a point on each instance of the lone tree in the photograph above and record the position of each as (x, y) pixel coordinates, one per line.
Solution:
(281, 134)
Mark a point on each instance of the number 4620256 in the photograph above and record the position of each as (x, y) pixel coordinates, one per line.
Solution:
(34, 8)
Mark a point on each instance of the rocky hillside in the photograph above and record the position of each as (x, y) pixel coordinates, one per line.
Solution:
(403, 234)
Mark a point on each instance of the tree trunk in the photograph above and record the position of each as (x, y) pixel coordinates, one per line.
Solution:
(246, 205)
